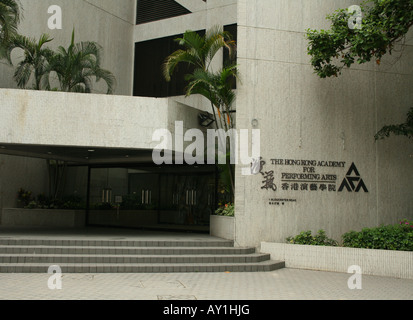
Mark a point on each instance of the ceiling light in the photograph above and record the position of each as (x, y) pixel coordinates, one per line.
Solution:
(205, 119)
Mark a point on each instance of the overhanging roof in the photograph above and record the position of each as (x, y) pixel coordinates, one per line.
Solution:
(79, 155)
(86, 128)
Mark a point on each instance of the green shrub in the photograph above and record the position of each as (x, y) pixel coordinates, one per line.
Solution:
(389, 237)
(228, 210)
(28, 201)
(24, 197)
(305, 237)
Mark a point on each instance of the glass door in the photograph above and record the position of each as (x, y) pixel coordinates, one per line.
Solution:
(187, 199)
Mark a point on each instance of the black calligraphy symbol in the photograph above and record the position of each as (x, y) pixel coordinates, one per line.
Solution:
(269, 181)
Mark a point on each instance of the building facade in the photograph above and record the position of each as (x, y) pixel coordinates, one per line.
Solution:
(320, 167)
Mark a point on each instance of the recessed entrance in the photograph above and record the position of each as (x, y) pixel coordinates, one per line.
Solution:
(152, 197)
(123, 188)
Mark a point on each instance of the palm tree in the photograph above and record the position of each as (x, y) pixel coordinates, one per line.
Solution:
(199, 52)
(217, 88)
(10, 14)
(78, 65)
(36, 61)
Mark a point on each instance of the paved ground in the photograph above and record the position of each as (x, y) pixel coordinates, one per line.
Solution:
(284, 284)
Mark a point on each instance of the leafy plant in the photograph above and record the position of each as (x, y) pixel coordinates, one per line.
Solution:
(404, 129)
(384, 24)
(73, 202)
(387, 237)
(306, 238)
(227, 210)
(131, 202)
(28, 201)
(10, 15)
(104, 206)
(35, 62)
(31, 205)
(24, 196)
(78, 65)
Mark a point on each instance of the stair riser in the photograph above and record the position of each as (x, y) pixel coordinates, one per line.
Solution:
(108, 243)
(145, 269)
(125, 251)
(121, 259)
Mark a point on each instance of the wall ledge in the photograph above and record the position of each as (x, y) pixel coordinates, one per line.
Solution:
(387, 263)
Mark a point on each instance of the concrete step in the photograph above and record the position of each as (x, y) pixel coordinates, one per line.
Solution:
(57, 259)
(143, 268)
(167, 250)
(115, 243)
(36, 255)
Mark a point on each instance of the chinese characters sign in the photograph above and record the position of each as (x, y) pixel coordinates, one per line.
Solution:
(310, 176)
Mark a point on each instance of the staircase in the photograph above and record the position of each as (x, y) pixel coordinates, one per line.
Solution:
(130, 256)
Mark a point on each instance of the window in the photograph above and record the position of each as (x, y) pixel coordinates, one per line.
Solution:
(148, 76)
(153, 10)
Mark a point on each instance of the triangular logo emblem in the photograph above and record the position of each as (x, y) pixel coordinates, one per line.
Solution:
(352, 181)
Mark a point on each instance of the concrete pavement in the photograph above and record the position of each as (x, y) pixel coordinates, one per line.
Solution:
(283, 284)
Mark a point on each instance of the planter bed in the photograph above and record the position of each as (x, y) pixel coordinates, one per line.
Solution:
(222, 227)
(17, 217)
(388, 263)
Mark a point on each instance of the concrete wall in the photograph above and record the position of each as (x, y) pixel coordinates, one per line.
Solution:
(384, 263)
(108, 22)
(222, 227)
(302, 117)
(43, 218)
(69, 119)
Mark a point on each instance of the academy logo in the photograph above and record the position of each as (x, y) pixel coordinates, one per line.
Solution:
(352, 181)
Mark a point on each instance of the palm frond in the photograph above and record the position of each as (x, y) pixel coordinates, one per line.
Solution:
(36, 60)
(10, 14)
(172, 61)
(23, 73)
(192, 40)
(78, 65)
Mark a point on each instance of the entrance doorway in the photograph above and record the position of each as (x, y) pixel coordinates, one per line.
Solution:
(165, 197)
